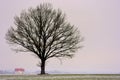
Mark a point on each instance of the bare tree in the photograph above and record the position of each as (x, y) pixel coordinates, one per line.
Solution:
(45, 32)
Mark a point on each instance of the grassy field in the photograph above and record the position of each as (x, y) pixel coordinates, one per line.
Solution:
(62, 77)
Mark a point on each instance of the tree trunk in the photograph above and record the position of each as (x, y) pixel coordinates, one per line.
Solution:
(42, 66)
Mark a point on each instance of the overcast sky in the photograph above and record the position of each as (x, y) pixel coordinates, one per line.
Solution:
(98, 22)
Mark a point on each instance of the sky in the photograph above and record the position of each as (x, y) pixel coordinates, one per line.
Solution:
(97, 20)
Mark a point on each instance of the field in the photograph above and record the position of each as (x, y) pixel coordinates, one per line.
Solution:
(62, 77)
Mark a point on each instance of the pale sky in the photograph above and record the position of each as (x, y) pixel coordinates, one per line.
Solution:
(98, 22)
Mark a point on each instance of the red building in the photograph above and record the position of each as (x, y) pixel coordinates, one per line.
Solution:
(19, 70)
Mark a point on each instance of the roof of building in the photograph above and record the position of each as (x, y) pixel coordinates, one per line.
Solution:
(19, 69)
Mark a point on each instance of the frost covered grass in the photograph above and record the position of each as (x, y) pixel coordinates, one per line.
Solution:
(62, 77)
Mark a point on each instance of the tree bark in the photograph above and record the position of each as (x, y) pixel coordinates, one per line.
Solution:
(42, 66)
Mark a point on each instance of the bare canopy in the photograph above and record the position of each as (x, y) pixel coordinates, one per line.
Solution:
(45, 32)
